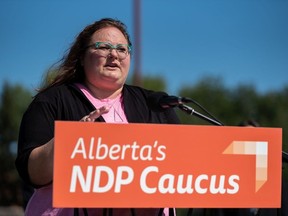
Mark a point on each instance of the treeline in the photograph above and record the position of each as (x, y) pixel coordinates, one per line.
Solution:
(230, 106)
(13, 102)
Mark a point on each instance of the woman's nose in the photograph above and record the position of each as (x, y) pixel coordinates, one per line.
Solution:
(113, 52)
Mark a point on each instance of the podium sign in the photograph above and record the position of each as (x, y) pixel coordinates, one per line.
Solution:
(155, 165)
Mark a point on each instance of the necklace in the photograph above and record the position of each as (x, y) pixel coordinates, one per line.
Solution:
(114, 106)
(117, 116)
(116, 111)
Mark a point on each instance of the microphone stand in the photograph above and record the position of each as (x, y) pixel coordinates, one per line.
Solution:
(191, 111)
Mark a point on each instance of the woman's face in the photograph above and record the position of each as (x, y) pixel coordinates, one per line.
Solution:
(106, 72)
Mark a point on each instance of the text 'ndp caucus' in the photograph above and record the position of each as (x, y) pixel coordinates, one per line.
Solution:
(89, 179)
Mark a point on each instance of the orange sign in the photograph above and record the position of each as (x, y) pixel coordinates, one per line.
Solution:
(155, 165)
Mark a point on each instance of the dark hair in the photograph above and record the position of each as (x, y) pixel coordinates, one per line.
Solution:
(70, 69)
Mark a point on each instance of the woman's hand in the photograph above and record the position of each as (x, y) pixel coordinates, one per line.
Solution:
(95, 114)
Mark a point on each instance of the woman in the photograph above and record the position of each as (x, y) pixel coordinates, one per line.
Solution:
(90, 86)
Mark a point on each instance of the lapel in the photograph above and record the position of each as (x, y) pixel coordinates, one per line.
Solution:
(135, 107)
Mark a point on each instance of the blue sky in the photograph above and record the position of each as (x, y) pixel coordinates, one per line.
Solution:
(241, 41)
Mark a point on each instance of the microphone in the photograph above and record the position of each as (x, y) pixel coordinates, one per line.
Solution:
(159, 101)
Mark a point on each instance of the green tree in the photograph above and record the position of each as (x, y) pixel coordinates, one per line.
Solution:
(244, 104)
(14, 101)
(154, 83)
(209, 93)
(273, 112)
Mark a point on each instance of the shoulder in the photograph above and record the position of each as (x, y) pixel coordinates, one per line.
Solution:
(137, 91)
(57, 98)
(136, 101)
(63, 93)
(55, 91)
(64, 102)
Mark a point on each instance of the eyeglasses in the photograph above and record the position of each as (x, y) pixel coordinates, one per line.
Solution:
(105, 48)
